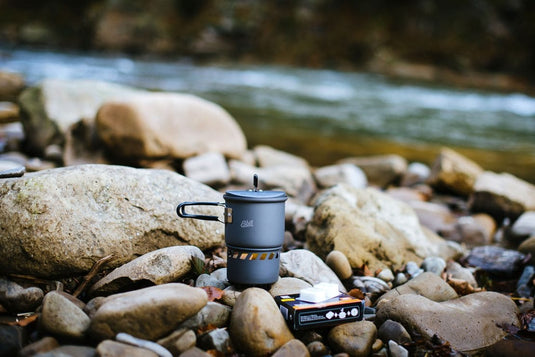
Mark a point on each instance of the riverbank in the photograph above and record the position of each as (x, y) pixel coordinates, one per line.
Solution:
(96, 260)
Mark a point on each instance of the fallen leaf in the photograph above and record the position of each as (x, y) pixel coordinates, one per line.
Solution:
(357, 293)
(24, 321)
(213, 292)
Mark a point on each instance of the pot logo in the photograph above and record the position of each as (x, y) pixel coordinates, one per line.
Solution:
(246, 223)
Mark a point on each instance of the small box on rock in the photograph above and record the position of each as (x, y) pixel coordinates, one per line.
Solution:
(301, 314)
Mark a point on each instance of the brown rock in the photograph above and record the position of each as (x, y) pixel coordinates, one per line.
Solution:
(175, 125)
(257, 327)
(470, 323)
(453, 172)
(149, 313)
(354, 338)
(502, 195)
(380, 170)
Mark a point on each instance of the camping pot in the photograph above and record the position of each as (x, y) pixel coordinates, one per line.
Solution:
(254, 232)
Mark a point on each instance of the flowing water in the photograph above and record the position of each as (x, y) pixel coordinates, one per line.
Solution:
(325, 115)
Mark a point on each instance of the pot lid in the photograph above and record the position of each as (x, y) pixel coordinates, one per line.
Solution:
(255, 196)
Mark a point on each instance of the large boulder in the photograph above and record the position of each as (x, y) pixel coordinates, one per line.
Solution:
(49, 109)
(59, 222)
(502, 195)
(371, 228)
(155, 125)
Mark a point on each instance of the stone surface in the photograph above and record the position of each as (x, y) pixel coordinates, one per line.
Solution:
(292, 348)
(288, 286)
(43, 345)
(50, 108)
(392, 330)
(457, 271)
(139, 342)
(60, 222)
(149, 313)
(9, 112)
(61, 317)
(213, 314)
(426, 284)
(11, 84)
(338, 262)
(501, 262)
(305, 265)
(209, 168)
(380, 170)
(370, 228)
(454, 172)
(179, 341)
(155, 125)
(523, 227)
(502, 195)
(267, 156)
(12, 339)
(331, 175)
(15, 298)
(354, 338)
(161, 266)
(257, 327)
(469, 323)
(528, 247)
(114, 348)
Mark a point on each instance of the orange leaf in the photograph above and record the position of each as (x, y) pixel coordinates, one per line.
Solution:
(213, 292)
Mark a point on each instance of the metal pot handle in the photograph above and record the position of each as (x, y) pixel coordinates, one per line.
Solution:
(181, 210)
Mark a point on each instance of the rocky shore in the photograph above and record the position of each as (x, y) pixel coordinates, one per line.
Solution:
(95, 261)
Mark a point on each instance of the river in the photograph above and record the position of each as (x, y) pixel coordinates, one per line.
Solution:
(324, 115)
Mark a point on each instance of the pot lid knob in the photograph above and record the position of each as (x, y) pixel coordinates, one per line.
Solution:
(255, 182)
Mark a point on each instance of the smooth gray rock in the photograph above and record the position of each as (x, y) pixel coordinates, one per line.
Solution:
(15, 298)
(426, 284)
(61, 317)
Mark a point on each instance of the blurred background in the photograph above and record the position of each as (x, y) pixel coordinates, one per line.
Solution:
(321, 79)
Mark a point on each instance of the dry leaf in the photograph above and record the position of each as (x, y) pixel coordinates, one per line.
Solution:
(213, 292)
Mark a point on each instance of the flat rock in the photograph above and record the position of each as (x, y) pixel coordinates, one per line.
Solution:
(161, 266)
(426, 284)
(380, 170)
(305, 265)
(60, 222)
(149, 313)
(454, 172)
(469, 323)
(502, 195)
